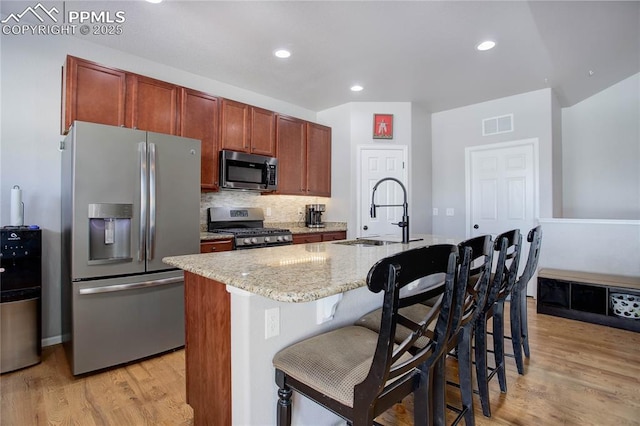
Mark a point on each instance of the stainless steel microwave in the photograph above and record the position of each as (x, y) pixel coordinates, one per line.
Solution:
(248, 171)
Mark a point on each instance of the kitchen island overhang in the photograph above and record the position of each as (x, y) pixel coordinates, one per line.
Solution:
(313, 287)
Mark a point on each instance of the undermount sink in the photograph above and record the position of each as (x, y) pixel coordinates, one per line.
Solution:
(365, 242)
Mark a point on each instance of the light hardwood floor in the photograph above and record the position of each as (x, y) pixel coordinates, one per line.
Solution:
(578, 374)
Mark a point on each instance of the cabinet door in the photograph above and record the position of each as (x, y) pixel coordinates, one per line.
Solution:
(318, 160)
(199, 118)
(291, 156)
(92, 93)
(263, 132)
(235, 126)
(152, 105)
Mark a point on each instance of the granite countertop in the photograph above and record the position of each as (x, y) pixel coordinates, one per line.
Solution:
(294, 227)
(295, 273)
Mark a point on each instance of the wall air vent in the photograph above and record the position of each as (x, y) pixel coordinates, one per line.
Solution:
(496, 125)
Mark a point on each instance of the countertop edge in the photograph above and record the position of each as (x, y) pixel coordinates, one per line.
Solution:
(274, 294)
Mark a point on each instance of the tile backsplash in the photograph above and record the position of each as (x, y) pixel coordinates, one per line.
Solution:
(284, 208)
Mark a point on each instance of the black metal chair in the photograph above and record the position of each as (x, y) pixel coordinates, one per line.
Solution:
(480, 253)
(518, 304)
(462, 338)
(507, 246)
(357, 373)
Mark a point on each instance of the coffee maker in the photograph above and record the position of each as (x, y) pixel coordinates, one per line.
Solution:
(314, 215)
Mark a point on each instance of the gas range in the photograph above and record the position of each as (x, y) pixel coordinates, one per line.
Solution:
(246, 224)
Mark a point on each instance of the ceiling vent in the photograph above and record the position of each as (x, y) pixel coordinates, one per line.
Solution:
(495, 125)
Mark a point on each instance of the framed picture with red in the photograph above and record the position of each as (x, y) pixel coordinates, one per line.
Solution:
(383, 126)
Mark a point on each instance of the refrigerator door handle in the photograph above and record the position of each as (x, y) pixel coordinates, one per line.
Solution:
(151, 235)
(132, 286)
(142, 237)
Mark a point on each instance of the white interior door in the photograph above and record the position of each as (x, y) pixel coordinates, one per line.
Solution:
(502, 191)
(377, 163)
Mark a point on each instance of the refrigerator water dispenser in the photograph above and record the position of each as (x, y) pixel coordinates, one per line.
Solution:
(110, 233)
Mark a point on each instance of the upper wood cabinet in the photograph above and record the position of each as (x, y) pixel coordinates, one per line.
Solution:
(199, 119)
(318, 160)
(304, 158)
(152, 105)
(93, 93)
(98, 94)
(246, 128)
(292, 133)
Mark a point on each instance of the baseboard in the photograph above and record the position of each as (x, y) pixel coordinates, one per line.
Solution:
(50, 341)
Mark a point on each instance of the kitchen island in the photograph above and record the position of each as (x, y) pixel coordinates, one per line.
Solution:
(241, 307)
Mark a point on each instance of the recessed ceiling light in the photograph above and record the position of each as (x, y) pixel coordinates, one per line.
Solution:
(356, 88)
(486, 45)
(282, 53)
(155, 1)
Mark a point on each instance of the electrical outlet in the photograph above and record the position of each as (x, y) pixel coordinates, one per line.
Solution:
(268, 212)
(449, 211)
(435, 211)
(271, 322)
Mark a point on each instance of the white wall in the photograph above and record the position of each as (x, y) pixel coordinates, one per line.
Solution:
(339, 119)
(601, 154)
(601, 246)
(420, 171)
(456, 129)
(30, 133)
(352, 126)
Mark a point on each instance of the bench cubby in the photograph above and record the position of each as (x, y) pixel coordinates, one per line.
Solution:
(585, 296)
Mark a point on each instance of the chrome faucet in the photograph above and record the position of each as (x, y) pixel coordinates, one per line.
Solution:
(404, 224)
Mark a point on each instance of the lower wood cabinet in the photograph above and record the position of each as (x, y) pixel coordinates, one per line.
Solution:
(318, 237)
(216, 246)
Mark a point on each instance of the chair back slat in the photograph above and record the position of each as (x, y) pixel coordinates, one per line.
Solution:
(507, 246)
(479, 276)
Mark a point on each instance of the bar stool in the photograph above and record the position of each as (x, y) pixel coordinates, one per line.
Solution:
(480, 252)
(507, 246)
(518, 304)
(357, 373)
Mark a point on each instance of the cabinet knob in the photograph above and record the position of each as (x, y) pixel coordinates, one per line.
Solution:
(476, 226)
(365, 227)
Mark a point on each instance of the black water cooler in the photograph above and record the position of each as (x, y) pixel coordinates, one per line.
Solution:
(20, 288)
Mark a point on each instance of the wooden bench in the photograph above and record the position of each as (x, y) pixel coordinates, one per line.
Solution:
(584, 296)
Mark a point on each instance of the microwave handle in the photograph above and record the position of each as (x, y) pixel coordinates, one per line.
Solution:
(267, 173)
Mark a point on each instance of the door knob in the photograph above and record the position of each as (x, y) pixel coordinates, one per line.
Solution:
(476, 226)
(365, 227)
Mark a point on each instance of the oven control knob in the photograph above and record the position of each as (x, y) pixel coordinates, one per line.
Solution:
(267, 239)
(279, 238)
(246, 241)
(254, 240)
(287, 238)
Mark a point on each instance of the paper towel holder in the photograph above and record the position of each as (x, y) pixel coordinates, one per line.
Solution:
(18, 220)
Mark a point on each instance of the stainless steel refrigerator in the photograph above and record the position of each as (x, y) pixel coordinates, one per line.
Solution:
(129, 198)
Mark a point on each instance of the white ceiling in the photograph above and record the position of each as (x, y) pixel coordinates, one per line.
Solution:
(418, 51)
